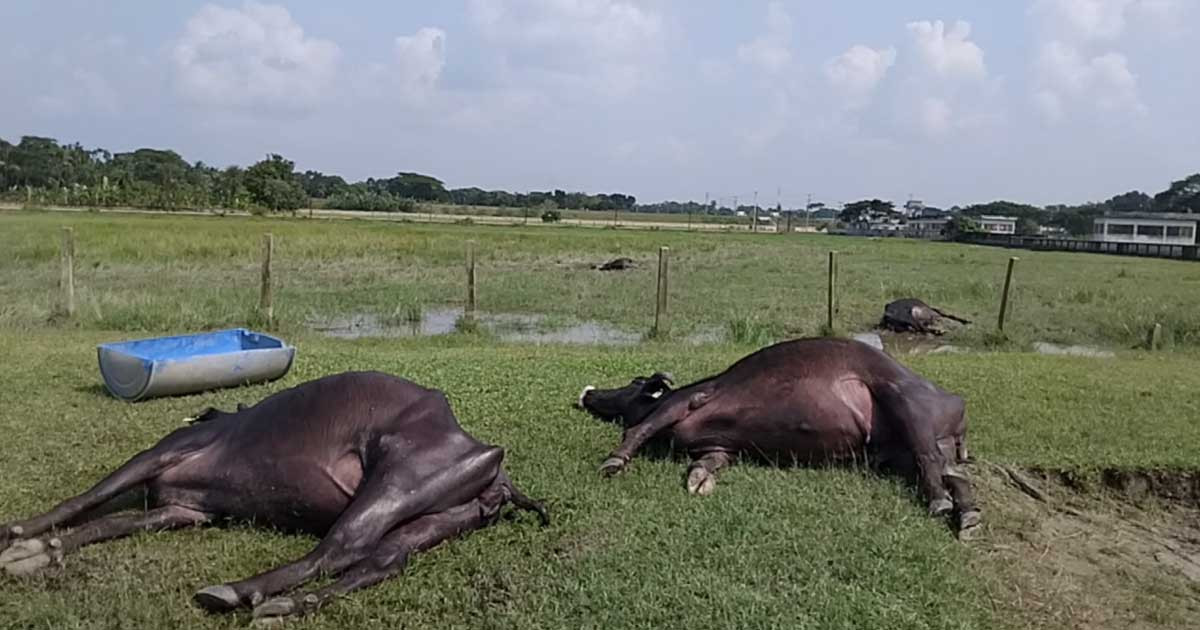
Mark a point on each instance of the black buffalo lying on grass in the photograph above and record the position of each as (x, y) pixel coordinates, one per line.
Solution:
(913, 315)
(808, 401)
(376, 465)
(616, 264)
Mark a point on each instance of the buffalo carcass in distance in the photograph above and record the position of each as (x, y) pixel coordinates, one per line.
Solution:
(374, 464)
(810, 401)
(913, 315)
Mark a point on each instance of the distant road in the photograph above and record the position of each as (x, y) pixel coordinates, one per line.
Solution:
(423, 217)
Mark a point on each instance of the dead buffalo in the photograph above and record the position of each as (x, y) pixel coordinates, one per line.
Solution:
(809, 401)
(616, 264)
(913, 315)
(376, 465)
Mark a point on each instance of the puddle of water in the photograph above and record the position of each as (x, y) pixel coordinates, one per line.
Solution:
(513, 327)
(517, 327)
(433, 322)
(1041, 347)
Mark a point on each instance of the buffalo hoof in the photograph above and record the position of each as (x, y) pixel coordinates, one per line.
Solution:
(217, 598)
(27, 557)
(701, 482)
(276, 607)
(612, 466)
(940, 507)
(968, 524)
(10, 535)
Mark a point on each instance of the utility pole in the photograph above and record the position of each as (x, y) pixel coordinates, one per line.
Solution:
(754, 225)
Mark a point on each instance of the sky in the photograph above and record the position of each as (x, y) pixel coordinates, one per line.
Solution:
(953, 102)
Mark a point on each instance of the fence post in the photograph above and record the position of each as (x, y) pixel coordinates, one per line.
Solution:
(266, 303)
(1156, 337)
(471, 297)
(832, 295)
(67, 273)
(1004, 297)
(661, 324)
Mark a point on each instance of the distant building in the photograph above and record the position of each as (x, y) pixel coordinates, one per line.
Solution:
(931, 227)
(1052, 230)
(1147, 227)
(995, 224)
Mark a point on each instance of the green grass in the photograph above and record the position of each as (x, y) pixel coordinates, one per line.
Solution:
(792, 548)
(151, 273)
(772, 548)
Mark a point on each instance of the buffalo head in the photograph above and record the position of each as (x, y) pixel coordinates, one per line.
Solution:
(631, 403)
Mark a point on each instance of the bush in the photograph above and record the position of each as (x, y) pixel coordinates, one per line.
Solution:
(357, 199)
(551, 216)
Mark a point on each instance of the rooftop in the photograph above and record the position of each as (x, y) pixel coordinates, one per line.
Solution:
(1160, 216)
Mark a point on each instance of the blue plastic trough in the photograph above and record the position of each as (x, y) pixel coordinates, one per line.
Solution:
(185, 364)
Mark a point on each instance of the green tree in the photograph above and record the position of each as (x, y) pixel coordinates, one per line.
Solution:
(272, 184)
(1027, 227)
(1182, 196)
(852, 212)
(1132, 201)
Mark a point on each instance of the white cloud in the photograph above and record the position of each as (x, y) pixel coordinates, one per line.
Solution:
(1086, 21)
(936, 116)
(948, 52)
(770, 51)
(856, 72)
(253, 57)
(1063, 76)
(420, 58)
(89, 75)
(601, 45)
(1083, 19)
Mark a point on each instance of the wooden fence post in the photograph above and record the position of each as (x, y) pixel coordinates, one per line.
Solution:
(66, 280)
(832, 295)
(1004, 297)
(1156, 337)
(266, 305)
(661, 324)
(471, 297)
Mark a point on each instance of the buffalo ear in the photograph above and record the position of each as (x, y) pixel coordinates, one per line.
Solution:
(658, 384)
(208, 414)
(663, 378)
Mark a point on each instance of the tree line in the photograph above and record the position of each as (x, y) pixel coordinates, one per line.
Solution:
(38, 169)
(41, 170)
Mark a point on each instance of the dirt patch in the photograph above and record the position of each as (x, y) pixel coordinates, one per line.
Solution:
(1115, 549)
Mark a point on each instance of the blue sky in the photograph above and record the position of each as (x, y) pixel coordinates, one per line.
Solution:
(1046, 101)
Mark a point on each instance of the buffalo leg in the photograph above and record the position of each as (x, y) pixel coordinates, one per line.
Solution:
(637, 435)
(955, 478)
(915, 424)
(702, 472)
(389, 556)
(29, 556)
(139, 469)
(387, 498)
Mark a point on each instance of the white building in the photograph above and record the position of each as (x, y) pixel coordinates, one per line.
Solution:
(995, 224)
(1147, 227)
(926, 227)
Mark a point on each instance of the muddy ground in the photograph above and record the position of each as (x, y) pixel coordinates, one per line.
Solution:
(1116, 550)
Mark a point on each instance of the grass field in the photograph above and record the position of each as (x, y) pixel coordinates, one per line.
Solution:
(752, 288)
(771, 548)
